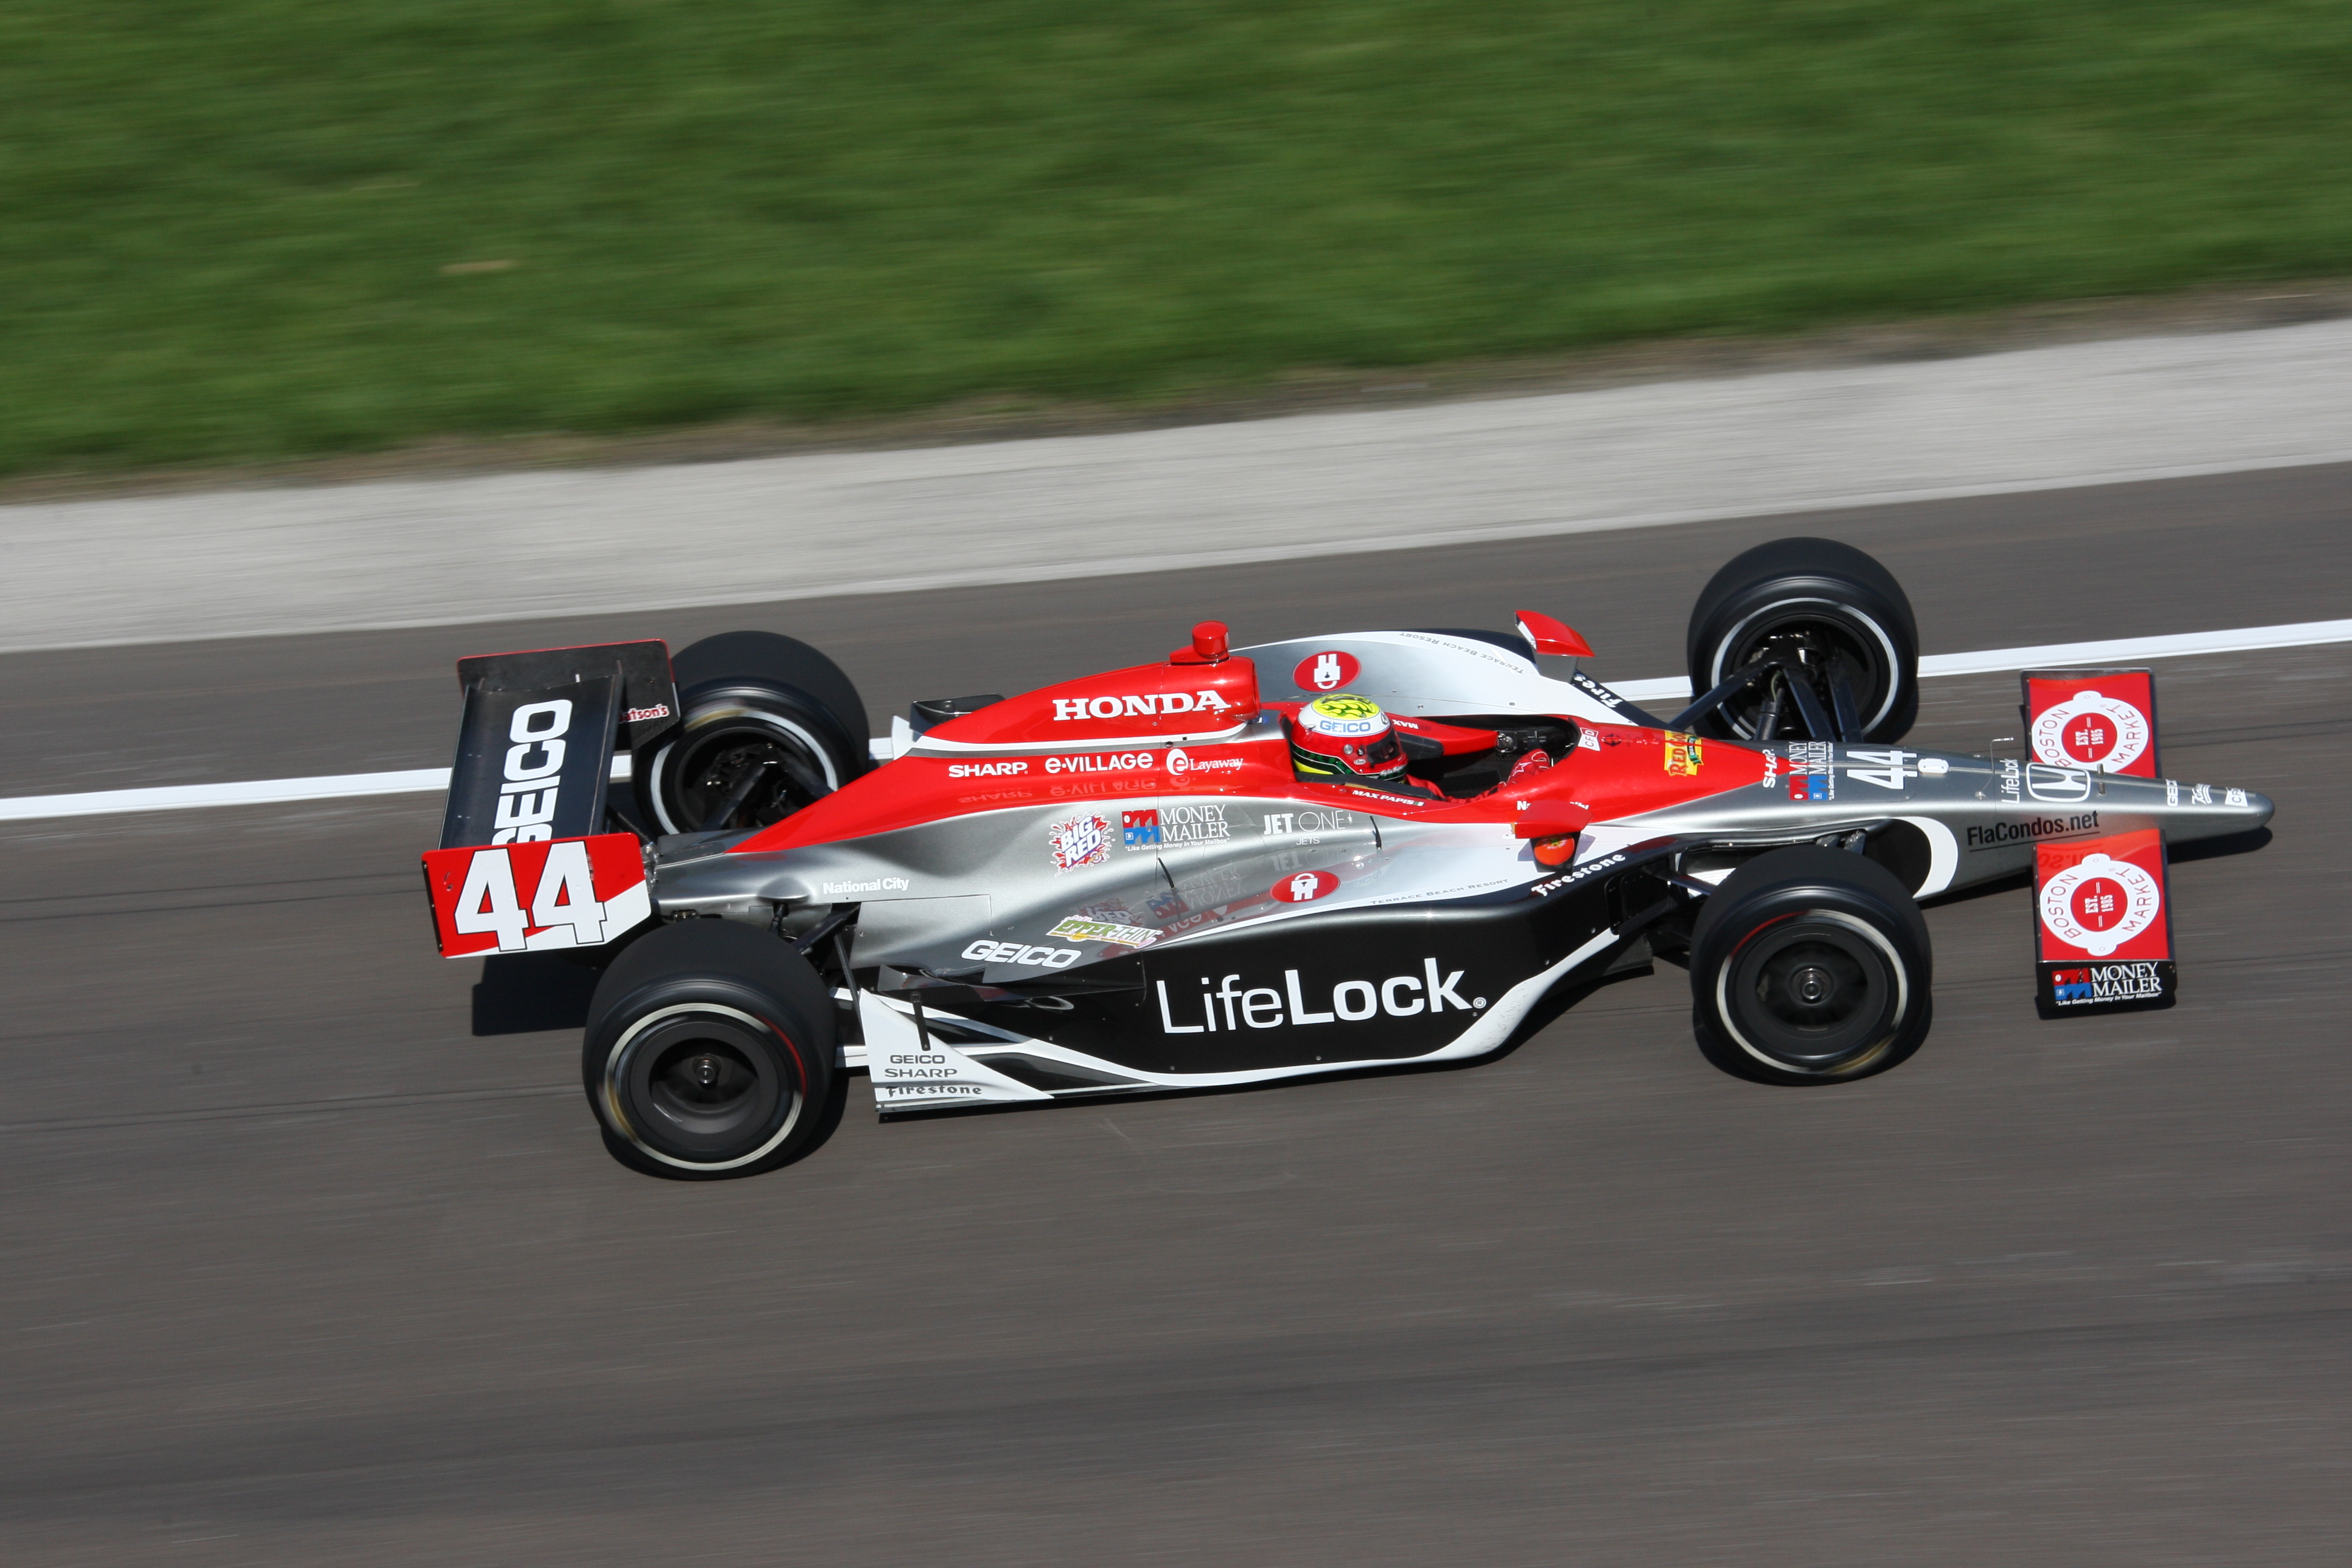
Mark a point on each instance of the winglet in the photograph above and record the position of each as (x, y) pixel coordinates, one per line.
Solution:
(1546, 634)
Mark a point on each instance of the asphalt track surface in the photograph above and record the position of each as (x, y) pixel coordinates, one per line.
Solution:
(312, 1255)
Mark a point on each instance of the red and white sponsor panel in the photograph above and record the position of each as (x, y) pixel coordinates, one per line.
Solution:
(2102, 720)
(2102, 922)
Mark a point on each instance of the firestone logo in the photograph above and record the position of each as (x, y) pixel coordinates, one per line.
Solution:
(1350, 1000)
(1140, 705)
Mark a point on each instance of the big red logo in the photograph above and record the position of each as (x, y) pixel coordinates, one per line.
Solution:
(2101, 721)
(531, 898)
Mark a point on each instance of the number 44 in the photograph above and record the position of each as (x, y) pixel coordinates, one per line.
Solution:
(1889, 773)
(566, 896)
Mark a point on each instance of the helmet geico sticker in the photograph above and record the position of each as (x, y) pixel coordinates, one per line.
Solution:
(1344, 717)
(2099, 903)
(2091, 729)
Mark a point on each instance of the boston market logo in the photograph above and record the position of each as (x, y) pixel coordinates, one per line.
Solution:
(2100, 903)
(2090, 729)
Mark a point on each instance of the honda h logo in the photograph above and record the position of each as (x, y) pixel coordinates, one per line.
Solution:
(2057, 785)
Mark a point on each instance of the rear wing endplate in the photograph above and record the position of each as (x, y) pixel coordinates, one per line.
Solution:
(535, 746)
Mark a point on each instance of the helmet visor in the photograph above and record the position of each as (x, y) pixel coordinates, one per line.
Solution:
(1378, 757)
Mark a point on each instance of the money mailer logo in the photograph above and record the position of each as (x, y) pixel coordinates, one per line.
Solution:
(1199, 823)
(2073, 985)
(1138, 829)
(1083, 840)
(1326, 671)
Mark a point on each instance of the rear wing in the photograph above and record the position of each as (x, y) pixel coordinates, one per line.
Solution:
(525, 863)
(2102, 907)
(535, 745)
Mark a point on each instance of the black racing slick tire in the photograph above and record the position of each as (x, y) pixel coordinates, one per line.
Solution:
(766, 725)
(709, 1053)
(1810, 965)
(1823, 600)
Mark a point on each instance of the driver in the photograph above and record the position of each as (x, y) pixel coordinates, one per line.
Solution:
(1346, 739)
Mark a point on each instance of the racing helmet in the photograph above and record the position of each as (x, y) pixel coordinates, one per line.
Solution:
(1346, 739)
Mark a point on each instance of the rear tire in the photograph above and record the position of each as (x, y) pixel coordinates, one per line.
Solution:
(756, 710)
(1810, 965)
(709, 1053)
(1820, 596)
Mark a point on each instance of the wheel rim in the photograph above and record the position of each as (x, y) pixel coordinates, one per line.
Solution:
(703, 1087)
(1815, 631)
(1817, 992)
(752, 768)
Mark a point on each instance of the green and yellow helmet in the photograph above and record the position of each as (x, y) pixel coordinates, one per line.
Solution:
(1344, 739)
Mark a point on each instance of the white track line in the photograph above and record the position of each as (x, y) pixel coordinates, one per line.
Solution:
(2061, 655)
(420, 780)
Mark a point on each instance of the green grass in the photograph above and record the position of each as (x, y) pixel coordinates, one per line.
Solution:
(223, 224)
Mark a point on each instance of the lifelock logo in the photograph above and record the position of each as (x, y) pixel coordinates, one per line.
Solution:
(1231, 1005)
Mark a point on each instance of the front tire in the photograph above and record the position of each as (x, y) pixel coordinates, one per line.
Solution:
(709, 1053)
(1819, 601)
(1810, 965)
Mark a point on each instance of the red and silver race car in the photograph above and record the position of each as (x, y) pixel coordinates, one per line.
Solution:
(1371, 849)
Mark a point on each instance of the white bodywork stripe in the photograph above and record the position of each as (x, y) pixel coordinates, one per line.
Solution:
(419, 781)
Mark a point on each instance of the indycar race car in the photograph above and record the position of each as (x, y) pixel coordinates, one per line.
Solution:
(1337, 853)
